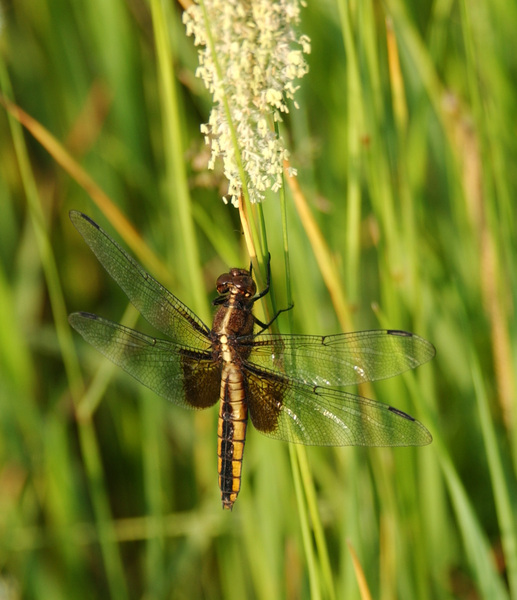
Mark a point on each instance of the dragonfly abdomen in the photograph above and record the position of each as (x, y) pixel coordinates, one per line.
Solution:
(231, 433)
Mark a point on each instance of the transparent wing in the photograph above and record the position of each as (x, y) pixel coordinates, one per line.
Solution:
(313, 415)
(186, 377)
(338, 360)
(154, 302)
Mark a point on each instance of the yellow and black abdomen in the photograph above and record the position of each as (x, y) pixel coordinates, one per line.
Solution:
(231, 432)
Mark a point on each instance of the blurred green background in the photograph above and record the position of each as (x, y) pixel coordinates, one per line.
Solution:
(406, 146)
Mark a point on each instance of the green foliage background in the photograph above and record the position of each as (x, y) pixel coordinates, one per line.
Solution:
(406, 145)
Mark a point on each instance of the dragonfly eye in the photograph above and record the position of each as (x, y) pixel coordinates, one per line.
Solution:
(223, 283)
(244, 285)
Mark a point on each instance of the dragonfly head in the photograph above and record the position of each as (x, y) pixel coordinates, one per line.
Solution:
(238, 282)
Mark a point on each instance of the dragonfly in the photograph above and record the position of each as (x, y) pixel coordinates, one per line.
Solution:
(290, 386)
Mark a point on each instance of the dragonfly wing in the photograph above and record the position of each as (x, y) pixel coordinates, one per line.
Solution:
(154, 302)
(317, 416)
(339, 360)
(187, 377)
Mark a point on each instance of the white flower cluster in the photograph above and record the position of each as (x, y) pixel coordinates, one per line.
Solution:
(258, 55)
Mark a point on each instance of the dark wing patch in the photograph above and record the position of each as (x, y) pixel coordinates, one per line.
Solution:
(265, 397)
(201, 379)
